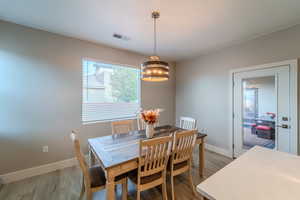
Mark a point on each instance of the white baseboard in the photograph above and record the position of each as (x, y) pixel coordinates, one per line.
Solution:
(218, 150)
(43, 169)
(34, 171)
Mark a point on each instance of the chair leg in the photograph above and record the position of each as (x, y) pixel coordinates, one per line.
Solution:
(89, 195)
(172, 187)
(82, 188)
(192, 159)
(164, 191)
(138, 195)
(191, 181)
(124, 189)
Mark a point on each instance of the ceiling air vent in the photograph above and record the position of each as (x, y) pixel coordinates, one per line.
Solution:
(121, 37)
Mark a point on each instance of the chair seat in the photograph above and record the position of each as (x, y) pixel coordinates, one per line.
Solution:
(265, 128)
(145, 179)
(98, 176)
(178, 165)
(253, 124)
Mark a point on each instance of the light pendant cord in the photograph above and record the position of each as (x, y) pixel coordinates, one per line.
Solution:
(154, 50)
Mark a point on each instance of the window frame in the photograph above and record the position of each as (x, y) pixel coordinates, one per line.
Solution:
(139, 93)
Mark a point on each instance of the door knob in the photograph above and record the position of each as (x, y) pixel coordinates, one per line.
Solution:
(283, 126)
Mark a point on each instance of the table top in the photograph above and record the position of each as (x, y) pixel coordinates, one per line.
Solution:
(119, 148)
(259, 174)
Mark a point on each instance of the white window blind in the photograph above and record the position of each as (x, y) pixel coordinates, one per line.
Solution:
(110, 91)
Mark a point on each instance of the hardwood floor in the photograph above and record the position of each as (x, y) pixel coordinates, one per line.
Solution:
(65, 184)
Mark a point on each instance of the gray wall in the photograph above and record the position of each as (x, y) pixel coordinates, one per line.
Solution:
(40, 94)
(202, 84)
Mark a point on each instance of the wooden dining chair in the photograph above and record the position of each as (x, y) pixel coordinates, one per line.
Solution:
(181, 158)
(141, 125)
(188, 123)
(124, 126)
(157, 123)
(93, 178)
(152, 163)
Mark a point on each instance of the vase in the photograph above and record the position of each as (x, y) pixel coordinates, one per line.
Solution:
(149, 130)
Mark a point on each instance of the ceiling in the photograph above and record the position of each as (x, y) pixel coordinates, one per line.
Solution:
(187, 28)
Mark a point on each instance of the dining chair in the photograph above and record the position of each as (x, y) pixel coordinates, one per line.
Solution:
(152, 163)
(157, 123)
(93, 178)
(188, 123)
(123, 126)
(141, 125)
(181, 158)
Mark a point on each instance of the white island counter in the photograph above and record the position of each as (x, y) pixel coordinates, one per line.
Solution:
(259, 174)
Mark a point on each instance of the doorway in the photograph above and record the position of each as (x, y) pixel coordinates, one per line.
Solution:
(265, 108)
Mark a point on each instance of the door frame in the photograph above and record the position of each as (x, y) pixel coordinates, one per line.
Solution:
(294, 99)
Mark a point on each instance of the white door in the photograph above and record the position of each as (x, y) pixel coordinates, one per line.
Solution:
(261, 110)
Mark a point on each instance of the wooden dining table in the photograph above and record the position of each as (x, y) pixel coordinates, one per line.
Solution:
(118, 153)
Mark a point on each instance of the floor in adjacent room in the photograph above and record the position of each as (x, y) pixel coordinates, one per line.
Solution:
(250, 140)
(65, 184)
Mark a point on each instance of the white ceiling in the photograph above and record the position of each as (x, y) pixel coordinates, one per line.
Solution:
(186, 28)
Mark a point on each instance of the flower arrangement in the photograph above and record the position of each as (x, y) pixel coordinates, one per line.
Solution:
(150, 116)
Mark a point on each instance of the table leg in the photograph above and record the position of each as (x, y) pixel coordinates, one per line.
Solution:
(201, 158)
(110, 187)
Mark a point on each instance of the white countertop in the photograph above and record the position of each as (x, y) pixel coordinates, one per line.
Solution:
(259, 174)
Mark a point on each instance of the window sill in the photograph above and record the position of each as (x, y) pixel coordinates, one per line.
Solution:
(108, 120)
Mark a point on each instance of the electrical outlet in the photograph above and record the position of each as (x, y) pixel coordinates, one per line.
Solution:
(45, 149)
(204, 130)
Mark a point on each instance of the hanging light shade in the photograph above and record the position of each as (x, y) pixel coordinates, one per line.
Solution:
(154, 69)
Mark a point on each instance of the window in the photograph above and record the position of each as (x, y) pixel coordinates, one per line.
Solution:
(110, 92)
(251, 103)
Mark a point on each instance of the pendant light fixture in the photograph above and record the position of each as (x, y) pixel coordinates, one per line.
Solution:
(154, 69)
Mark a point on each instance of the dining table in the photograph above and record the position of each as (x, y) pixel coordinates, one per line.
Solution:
(118, 153)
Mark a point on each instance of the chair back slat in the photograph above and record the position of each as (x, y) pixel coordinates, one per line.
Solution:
(183, 145)
(188, 123)
(154, 154)
(141, 124)
(124, 126)
(157, 123)
(80, 157)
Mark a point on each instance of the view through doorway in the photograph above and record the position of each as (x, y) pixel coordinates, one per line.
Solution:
(259, 112)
